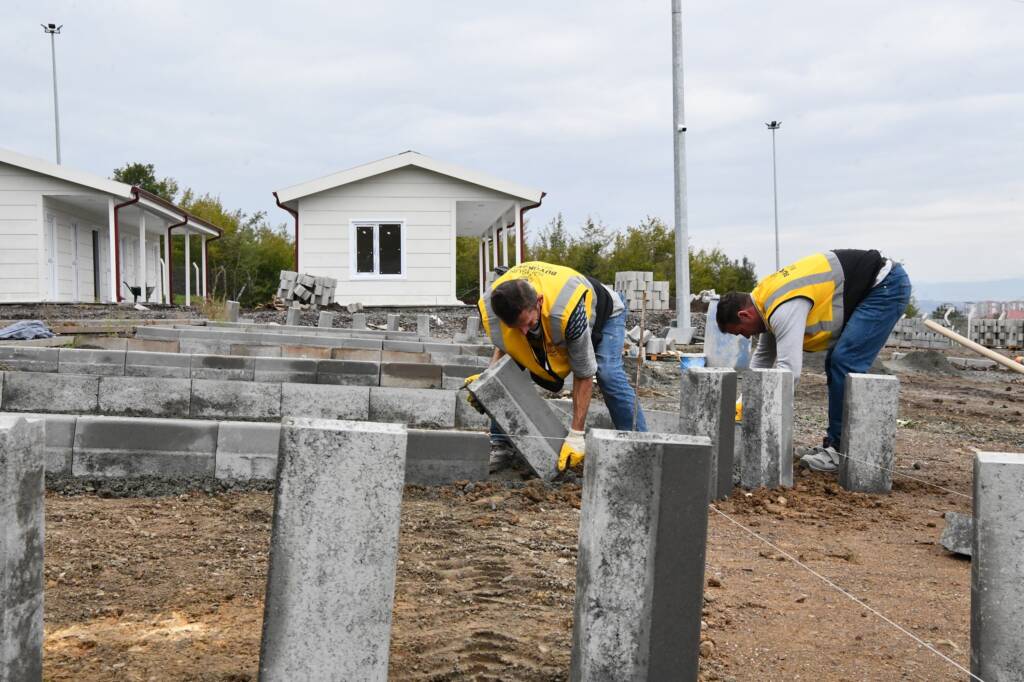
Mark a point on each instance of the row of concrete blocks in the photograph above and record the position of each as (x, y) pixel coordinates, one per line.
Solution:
(125, 447)
(325, 326)
(232, 400)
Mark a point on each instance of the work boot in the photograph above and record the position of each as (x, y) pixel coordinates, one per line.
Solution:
(503, 458)
(822, 459)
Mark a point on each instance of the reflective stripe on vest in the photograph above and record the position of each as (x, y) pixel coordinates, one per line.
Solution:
(804, 279)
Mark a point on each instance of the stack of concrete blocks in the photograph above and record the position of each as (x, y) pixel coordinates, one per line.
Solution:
(998, 333)
(306, 289)
(766, 444)
(642, 543)
(707, 408)
(632, 285)
(508, 395)
(868, 443)
(910, 332)
(22, 443)
(231, 309)
(997, 567)
(333, 551)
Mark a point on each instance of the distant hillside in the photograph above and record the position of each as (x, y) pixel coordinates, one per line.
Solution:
(958, 292)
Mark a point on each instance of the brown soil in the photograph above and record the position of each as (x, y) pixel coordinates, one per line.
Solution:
(171, 588)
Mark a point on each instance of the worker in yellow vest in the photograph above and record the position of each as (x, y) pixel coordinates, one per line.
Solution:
(843, 302)
(552, 321)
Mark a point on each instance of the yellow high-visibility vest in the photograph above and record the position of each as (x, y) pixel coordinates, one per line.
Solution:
(561, 288)
(819, 279)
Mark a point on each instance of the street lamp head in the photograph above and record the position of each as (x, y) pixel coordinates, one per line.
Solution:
(774, 125)
(52, 28)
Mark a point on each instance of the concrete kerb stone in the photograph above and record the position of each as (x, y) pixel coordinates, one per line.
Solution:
(324, 401)
(466, 416)
(638, 596)
(45, 392)
(508, 396)
(410, 375)
(958, 534)
(326, 320)
(707, 408)
(285, 370)
(416, 407)
(333, 551)
(241, 400)
(157, 333)
(29, 359)
(423, 325)
(348, 373)
(301, 351)
(358, 354)
(393, 322)
(117, 447)
(205, 346)
(22, 444)
(60, 439)
(766, 452)
(145, 397)
(256, 350)
(231, 309)
(404, 346)
(443, 457)
(247, 451)
(997, 571)
(223, 367)
(294, 316)
(448, 359)
(402, 356)
(453, 377)
(152, 346)
(168, 365)
(99, 362)
(358, 320)
(868, 444)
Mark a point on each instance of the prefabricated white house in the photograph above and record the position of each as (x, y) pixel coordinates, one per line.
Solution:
(386, 230)
(63, 232)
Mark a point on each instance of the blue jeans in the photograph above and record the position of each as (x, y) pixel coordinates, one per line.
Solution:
(611, 379)
(861, 340)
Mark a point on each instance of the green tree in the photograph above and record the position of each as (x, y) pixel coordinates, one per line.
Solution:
(144, 175)
(912, 310)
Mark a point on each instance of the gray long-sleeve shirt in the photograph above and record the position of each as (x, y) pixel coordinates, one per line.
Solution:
(783, 347)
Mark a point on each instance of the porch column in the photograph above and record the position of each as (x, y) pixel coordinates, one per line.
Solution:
(166, 274)
(487, 260)
(480, 260)
(142, 254)
(518, 218)
(494, 235)
(504, 244)
(203, 241)
(113, 279)
(188, 270)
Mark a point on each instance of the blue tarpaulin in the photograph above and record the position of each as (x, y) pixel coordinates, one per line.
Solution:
(25, 330)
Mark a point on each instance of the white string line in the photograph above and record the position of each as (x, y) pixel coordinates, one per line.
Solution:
(844, 592)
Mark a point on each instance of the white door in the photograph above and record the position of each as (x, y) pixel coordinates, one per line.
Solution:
(74, 263)
(51, 255)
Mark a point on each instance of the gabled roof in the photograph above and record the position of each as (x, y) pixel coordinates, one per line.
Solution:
(409, 158)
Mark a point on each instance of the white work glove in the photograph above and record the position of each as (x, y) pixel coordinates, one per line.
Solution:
(573, 450)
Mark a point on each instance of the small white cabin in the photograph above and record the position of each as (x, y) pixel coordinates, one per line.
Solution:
(386, 230)
(63, 231)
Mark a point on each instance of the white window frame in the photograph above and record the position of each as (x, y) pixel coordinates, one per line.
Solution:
(375, 223)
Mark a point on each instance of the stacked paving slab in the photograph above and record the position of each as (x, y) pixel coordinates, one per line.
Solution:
(910, 332)
(632, 284)
(306, 289)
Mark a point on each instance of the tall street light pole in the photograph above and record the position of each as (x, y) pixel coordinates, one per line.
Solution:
(773, 126)
(54, 30)
(682, 332)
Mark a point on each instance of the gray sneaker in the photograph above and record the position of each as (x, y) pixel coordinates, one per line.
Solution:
(825, 460)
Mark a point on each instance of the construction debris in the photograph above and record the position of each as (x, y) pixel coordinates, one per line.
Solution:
(306, 289)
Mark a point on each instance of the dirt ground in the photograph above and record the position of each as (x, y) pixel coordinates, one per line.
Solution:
(171, 587)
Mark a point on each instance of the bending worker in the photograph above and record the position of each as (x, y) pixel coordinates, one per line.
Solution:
(844, 302)
(552, 320)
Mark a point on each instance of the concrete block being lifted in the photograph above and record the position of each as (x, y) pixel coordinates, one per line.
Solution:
(707, 408)
(443, 457)
(640, 571)
(285, 370)
(145, 397)
(22, 443)
(222, 367)
(101, 362)
(243, 400)
(247, 451)
(766, 451)
(416, 407)
(997, 568)
(410, 375)
(148, 364)
(119, 447)
(870, 408)
(507, 394)
(44, 392)
(348, 373)
(322, 401)
(333, 551)
(29, 359)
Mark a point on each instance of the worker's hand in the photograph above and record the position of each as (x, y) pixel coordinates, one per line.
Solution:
(470, 398)
(739, 409)
(573, 450)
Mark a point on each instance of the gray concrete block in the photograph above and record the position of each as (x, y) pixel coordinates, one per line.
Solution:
(443, 457)
(507, 393)
(958, 534)
(707, 407)
(45, 392)
(256, 350)
(300, 351)
(324, 401)
(442, 348)
(640, 571)
(401, 336)
(29, 359)
(333, 551)
(153, 333)
(997, 570)
(285, 370)
(119, 447)
(358, 354)
(404, 346)
(358, 320)
(597, 416)
(423, 325)
(247, 451)
(365, 344)
(167, 365)
(22, 443)
(144, 397)
(223, 367)
(468, 360)
(483, 351)
(102, 343)
(152, 346)
(326, 320)
(348, 373)
(473, 325)
(393, 322)
(416, 407)
(868, 443)
(231, 310)
(60, 439)
(766, 456)
(235, 400)
(466, 416)
(205, 346)
(294, 317)
(403, 356)
(410, 375)
(100, 362)
(453, 377)
(660, 421)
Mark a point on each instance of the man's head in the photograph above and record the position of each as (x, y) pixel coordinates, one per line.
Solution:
(737, 315)
(517, 304)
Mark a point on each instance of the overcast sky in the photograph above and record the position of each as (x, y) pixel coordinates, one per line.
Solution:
(903, 122)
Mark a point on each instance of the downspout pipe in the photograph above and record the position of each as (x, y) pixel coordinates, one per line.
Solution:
(522, 222)
(170, 261)
(206, 257)
(295, 214)
(117, 240)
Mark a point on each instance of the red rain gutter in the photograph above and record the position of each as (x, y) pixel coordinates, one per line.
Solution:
(117, 240)
(170, 263)
(296, 215)
(522, 222)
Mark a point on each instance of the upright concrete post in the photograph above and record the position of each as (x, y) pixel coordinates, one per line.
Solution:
(472, 326)
(333, 551)
(294, 315)
(508, 396)
(359, 320)
(870, 406)
(393, 322)
(231, 311)
(326, 320)
(707, 408)
(767, 444)
(423, 325)
(642, 540)
(997, 568)
(22, 456)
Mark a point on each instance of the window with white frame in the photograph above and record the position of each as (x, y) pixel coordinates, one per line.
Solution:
(377, 249)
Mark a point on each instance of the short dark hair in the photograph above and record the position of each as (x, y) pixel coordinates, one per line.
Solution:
(729, 306)
(512, 297)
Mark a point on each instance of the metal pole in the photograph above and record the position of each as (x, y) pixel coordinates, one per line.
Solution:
(773, 126)
(682, 332)
(53, 31)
